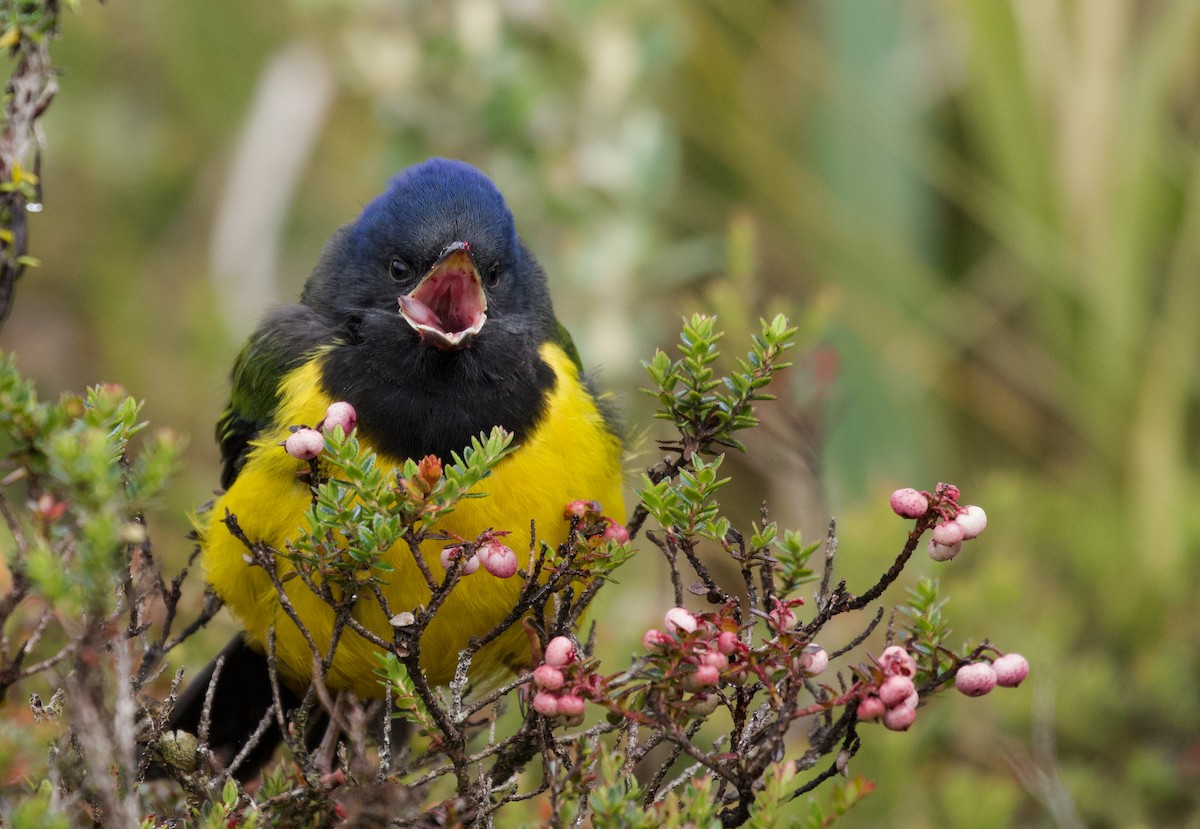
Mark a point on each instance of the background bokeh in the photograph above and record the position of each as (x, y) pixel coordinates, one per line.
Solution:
(984, 214)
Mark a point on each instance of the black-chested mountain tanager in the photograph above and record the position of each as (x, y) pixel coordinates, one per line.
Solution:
(431, 318)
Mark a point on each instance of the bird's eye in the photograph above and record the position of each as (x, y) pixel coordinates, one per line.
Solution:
(493, 275)
(398, 268)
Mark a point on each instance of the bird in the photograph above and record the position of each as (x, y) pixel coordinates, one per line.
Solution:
(429, 315)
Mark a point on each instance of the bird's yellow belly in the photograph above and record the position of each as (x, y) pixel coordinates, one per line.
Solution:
(571, 454)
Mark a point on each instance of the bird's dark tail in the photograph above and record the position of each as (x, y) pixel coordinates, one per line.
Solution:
(241, 698)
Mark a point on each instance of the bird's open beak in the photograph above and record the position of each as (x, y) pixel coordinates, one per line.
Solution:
(448, 306)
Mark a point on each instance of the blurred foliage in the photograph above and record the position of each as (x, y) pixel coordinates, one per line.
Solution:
(993, 209)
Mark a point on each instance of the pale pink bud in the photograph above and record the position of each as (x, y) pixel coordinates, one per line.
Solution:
(871, 708)
(782, 618)
(727, 642)
(570, 706)
(716, 659)
(899, 718)
(975, 679)
(948, 533)
(895, 690)
(812, 661)
(950, 491)
(341, 414)
(580, 509)
(706, 675)
(680, 619)
(559, 651)
(617, 533)
(655, 640)
(304, 444)
(547, 677)
(545, 704)
(908, 503)
(1011, 670)
(943, 552)
(449, 554)
(973, 520)
(896, 661)
(498, 559)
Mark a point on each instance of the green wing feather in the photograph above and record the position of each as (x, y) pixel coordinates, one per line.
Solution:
(562, 338)
(287, 337)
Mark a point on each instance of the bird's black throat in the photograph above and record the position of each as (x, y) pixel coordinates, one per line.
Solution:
(415, 400)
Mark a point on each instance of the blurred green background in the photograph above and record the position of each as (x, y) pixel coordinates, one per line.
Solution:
(984, 213)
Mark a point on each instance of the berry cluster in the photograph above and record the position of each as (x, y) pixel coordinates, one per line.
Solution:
(697, 652)
(498, 559)
(305, 443)
(894, 697)
(952, 524)
(593, 523)
(978, 678)
(891, 695)
(563, 683)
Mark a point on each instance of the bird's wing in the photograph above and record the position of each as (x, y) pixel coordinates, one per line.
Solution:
(562, 338)
(287, 336)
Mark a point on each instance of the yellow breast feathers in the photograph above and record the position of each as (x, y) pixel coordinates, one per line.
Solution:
(570, 454)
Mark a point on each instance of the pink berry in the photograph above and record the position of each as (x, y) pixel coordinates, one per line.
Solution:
(912, 700)
(341, 414)
(680, 619)
(655, 640)
(899, 718)
(896, 661)
(943, 552)
(581, 509)
(559, 651)
(782, 618)
(975, 679)
(895, 690)
(706, 675)
(727, 642)
(498, 559)
(617, 533)
(1011, 670)
(547, 677)
(304, 444)
(545, 704)
(908, 503)
(948, 533)
(871, 708)
(715, 659)
(812, 661)
(973, 521)
(570, 705)
(449, 554)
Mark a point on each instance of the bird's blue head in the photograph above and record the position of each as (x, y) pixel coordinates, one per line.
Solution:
(437, 314)
(439, 248)
(436, 203)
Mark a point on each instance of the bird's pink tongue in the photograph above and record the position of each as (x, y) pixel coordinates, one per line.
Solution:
(418, 312)
(448, 307)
